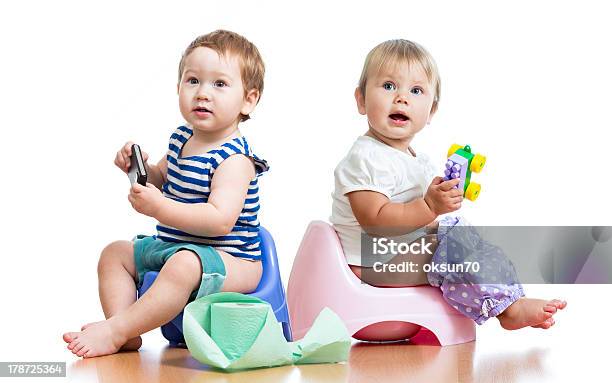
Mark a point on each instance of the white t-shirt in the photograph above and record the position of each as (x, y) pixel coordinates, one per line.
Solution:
(373, 165)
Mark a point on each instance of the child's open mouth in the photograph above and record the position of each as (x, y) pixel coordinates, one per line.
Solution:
(399, 117)
(202, 112)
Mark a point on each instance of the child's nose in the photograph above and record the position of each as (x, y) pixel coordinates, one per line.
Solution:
(203, 92)
(401, 98)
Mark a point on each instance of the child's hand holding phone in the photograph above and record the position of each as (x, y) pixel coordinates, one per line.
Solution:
(132, 161)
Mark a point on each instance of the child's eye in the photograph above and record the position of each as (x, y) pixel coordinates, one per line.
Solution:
(193, 81)
(416, 90)
(220, 84)
(388, 85)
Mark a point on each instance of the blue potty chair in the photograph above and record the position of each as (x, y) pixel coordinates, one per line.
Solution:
(270, 289)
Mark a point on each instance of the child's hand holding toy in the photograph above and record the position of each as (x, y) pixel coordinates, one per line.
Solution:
(460, 165)
(443, 197)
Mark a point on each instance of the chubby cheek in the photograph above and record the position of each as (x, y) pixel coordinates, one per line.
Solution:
(424, 115)
(186, 100)
(184, 107)
(377, 113)
(380, 104)
(233, 109)
(375, 107)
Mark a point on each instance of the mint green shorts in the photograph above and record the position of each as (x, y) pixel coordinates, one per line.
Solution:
(150, 254)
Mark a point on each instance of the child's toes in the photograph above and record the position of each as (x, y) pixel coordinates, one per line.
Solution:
(82, 351)
(74, 342)
(548, 323)
(77, 348)
(543, 325)
(541, 319)
(550, 308)
(69, 336)
(560, 304)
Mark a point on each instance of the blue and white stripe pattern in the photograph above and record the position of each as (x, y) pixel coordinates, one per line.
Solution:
(188, 181)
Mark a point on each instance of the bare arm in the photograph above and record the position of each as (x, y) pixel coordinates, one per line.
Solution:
(157, 173)
(378, 215)
(217, 217)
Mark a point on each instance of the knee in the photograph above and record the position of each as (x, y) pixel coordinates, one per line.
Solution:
(185, 266)
(115, 254)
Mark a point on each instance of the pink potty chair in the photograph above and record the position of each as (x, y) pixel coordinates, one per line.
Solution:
(321, 278)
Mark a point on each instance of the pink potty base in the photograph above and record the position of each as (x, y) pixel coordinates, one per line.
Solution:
(321, 278)
(388, 331)
(396, 331)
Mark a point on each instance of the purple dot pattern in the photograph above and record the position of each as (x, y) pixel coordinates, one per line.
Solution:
(478, 295)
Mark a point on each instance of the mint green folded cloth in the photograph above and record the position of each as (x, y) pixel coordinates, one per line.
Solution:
(234, 331)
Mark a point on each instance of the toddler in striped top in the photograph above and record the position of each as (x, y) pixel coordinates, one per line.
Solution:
(383, 187)
(207, 234)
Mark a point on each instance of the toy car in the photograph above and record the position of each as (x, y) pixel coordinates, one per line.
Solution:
(461, 163)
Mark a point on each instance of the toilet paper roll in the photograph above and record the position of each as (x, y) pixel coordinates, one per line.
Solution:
(235, 326)
(327, 341)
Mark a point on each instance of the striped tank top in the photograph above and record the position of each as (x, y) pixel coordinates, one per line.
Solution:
(188, 181)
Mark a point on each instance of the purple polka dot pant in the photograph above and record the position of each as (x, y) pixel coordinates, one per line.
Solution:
(475, 277)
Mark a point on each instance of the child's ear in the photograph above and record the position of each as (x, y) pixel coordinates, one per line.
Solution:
(360, 101)
(250, 100)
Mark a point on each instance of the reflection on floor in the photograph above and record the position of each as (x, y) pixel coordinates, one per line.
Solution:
(397, 362)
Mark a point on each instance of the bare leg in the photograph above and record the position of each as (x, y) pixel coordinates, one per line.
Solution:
(162, 302)
(242, 275)
(116, 285)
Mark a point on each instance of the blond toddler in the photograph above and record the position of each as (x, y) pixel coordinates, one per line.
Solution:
(385, 187)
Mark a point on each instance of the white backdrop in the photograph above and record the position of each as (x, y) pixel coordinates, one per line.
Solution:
(525, 83)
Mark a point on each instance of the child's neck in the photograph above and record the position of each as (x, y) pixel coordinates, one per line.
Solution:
(203, 141)
(402, 145)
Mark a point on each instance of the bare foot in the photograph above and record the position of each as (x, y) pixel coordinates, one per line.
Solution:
(89, 324)
(131, 345)
(525, 312)
(97, 339)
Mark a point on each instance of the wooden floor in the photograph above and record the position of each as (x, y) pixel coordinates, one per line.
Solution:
(399, 362)
(575, 349)
(368, 362)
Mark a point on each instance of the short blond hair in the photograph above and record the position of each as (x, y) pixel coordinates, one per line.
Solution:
(224, 42)
(393, 52)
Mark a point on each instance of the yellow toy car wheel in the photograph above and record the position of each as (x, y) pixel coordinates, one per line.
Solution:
(453, 149)
(473, 191)
(478, 162)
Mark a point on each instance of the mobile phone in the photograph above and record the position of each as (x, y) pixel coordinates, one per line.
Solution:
(138, 171)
